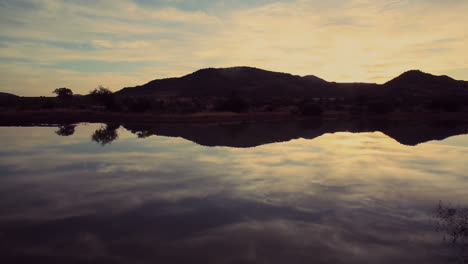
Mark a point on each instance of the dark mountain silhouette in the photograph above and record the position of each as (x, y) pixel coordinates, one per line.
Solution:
(261, 83)
(243, 80)
(7, 95)
(418, 83)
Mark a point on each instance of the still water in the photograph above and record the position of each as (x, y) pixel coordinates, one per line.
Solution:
(338, 198)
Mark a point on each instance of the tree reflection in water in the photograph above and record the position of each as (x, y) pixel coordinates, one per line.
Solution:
(452, 222)
(65, 130)
(143, 134)
(106, 134)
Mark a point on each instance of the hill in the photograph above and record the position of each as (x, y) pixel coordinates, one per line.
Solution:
(242, 80)
(7, 95)
(245, 93)
(256, 83)
(418, 83)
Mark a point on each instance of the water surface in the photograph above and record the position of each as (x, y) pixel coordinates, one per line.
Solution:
(338, 198)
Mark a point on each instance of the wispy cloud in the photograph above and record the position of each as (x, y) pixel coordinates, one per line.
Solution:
(137, 41)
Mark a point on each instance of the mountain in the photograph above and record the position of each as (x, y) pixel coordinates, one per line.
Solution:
(241, 80)
(7, 95)
(418, 83)
(419, 78)
(255, 82)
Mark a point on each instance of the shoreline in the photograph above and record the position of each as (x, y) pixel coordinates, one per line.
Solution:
(67, 116)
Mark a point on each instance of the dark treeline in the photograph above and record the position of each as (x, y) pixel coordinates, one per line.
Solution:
(309, 106)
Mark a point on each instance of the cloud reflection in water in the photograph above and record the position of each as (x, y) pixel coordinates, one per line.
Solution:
(340, 198)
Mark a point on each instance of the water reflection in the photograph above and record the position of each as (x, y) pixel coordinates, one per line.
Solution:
(106, 134)
(255, 134)
(452, 222)
(66, 130)
(340, 198)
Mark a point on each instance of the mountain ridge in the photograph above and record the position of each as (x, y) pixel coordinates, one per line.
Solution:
(257, 82)
(3, 94)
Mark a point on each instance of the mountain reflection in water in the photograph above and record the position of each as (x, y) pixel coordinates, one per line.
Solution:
(339, 198)
(254, 134)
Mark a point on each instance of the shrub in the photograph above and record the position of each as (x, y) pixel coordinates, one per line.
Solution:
(63, 92)
(105, 97)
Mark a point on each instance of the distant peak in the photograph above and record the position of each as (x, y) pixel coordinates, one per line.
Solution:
(313, 78)
(417, 76)
(235, 68)
(234, 72)
(225, 70)
(421, 73)
(414, 72)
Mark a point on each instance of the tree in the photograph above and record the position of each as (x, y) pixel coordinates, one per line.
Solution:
(104, 96)
(101, 92)
(63, 92)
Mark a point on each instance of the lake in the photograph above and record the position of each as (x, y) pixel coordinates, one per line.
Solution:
(102, 194)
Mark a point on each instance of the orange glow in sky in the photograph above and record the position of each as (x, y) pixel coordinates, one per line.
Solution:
(45, 44)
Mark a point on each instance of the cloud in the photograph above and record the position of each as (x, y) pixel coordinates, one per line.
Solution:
(337, 40)
(308, 39)
(171, 195)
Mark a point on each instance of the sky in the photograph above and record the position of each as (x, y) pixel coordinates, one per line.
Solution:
(47, 44)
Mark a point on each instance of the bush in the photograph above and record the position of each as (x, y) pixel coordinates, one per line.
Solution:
(63, 92)
(101, 92)
(105, 97)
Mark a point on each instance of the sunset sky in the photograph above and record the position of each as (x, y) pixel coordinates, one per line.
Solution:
(46, 44)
